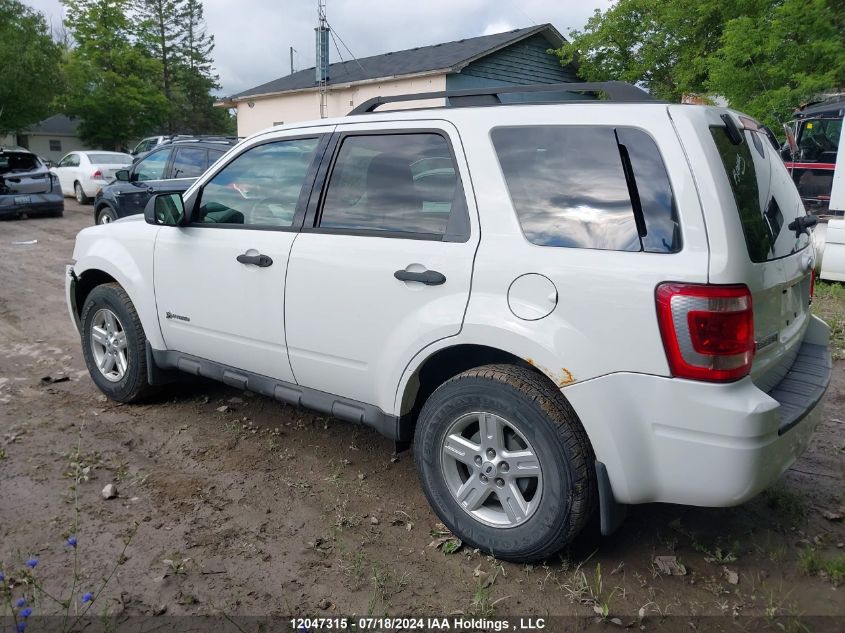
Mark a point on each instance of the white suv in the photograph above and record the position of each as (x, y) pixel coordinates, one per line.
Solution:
(565, 306)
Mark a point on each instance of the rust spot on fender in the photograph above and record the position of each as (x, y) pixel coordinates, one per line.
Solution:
(566, 377)
(562, 379)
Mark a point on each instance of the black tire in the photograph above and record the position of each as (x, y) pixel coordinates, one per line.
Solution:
(133, 386)
(79, 194)
(105, 212)
(537, 409)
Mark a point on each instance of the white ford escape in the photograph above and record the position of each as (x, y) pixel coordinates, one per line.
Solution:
(565, 306)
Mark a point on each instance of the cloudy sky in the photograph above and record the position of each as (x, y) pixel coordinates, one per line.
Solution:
(253, 36)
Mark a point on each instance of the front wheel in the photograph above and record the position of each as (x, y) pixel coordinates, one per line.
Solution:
(114, 344)
(106, 215)
(505, 463)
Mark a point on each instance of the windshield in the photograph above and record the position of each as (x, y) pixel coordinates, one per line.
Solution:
(818, 140)
(17, 162)
(110, 159)
(765, 195)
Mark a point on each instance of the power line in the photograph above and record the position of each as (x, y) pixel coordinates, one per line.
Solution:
(333, 31)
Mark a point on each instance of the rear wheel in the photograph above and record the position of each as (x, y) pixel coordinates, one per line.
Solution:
(114, 344)
(505, 463)
(106, 215)
(81, 198)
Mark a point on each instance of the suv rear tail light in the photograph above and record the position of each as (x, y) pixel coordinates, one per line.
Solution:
(708, 331)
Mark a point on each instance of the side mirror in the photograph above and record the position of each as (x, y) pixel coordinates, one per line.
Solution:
(165, 209)
(122, 175)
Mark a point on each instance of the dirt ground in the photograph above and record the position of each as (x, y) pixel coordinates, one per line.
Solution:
(245, 506)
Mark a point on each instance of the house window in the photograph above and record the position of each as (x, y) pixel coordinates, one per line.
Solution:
(55, 145)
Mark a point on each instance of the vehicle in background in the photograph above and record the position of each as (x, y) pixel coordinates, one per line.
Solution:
(82, 174)
(812, 158)
(170, 167)
(27, 186)
(149, 144)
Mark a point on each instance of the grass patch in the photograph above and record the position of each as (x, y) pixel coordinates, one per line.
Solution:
(829, 304)
(791, 507)
(814, 564)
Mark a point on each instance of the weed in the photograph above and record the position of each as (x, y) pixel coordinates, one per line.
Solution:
(812, 564)
(829, 304)
(177, 563)
(3, 454)
(789, 505)
(589, 592)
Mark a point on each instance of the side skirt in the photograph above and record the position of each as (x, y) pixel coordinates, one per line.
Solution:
(393, 427)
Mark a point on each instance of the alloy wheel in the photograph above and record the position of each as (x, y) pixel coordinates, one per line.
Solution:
(108, 345)
(492, 470)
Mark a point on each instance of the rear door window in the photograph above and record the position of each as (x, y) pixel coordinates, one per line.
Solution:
(393, 183)
(764, 194)
(189, 162)
(593, 187)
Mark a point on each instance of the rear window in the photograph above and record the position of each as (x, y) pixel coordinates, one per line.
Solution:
(592, 187)
(765, 195)
(17, 161)
(110, 159)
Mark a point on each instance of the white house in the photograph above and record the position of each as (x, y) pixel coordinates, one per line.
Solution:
(518, 57)
(52, 138)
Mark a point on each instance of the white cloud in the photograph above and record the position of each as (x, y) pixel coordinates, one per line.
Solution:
(253, 36)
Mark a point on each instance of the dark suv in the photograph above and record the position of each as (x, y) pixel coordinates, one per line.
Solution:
(168, 168)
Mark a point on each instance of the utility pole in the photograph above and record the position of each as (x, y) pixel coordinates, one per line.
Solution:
(291, 60)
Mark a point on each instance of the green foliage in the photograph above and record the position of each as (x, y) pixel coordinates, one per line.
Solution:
(139, 67)
(110, 79)
(764, 56)
(771, 62)
(30, 62)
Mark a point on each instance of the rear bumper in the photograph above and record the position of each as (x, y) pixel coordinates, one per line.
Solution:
(703, 444)
(39, 203)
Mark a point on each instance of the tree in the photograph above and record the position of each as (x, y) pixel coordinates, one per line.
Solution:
(770, 63)
(197, 77)
(30, 62)
(160, 31)
(111, 81)
(731, 48)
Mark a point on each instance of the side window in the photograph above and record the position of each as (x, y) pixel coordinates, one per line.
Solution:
(152, 167)
(65, 162)
(55, 145)
(189, 162)
(213, 156)
(583, 187)
(400, 183)
(71, 160)
(260, 187)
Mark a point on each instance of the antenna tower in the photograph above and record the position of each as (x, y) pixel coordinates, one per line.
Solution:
(322, 58)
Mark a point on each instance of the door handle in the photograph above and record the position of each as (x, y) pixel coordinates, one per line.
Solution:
(256, 260)
(429, 277)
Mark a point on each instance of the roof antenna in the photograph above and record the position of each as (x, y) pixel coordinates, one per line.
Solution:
(790, 137)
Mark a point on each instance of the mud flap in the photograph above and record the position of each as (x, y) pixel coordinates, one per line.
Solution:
(611, 512)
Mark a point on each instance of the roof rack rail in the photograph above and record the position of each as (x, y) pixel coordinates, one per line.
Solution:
(617, 91)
